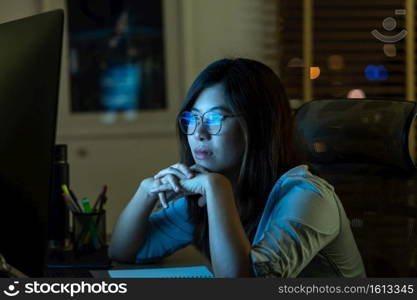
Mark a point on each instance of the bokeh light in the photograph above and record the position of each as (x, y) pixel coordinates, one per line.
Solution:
(356, 94)
(295, 62)
(314, 72)
(335, 62)
(376, 73)
(390, 50)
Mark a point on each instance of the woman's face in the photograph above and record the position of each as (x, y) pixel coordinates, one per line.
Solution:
(223, 152)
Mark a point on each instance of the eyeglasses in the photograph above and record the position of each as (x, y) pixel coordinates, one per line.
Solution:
(212, 121)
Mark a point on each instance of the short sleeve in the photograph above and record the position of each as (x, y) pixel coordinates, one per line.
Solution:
(170, 229)
(304, 220)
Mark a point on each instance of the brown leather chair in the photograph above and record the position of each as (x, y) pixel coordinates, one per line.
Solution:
(362, 147)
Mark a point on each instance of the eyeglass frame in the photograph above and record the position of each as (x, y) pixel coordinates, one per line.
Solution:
(200, 120)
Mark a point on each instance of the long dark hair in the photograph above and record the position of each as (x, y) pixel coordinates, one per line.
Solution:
(254, 92)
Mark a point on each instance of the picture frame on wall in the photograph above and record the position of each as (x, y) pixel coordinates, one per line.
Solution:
(121, 72)
(116, 56)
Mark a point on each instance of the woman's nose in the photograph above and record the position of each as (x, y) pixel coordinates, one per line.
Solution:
(201, 132)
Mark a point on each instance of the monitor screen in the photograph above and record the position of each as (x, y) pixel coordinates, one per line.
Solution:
(30, 55)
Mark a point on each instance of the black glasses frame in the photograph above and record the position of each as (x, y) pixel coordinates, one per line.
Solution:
(200, 120)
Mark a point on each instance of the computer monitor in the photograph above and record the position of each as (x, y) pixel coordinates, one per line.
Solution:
(30, 58)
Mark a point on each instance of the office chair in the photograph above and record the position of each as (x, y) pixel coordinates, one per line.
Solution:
(364, 148)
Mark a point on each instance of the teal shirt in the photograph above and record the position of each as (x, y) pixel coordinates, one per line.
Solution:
(303, 231)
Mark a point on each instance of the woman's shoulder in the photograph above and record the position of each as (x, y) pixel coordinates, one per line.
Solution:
(301, 196)
(301, 177)
(302, 199)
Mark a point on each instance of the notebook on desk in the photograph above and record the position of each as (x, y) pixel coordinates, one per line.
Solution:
(183, 272)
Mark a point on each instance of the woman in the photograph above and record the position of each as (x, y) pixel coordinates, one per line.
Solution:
(244, 199)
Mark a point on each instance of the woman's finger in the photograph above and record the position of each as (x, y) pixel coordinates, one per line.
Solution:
(161, 195)
(184, 169)
(167, 187)
(173, 195)
(170, 170)
(173, 180)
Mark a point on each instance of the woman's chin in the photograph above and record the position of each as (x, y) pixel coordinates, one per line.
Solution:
(211, 166)
(206, 166)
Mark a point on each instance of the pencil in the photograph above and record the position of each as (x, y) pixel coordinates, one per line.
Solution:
(162, 197)
(100, 199)
(163, 200)
(67, 193)
(69, 203)
(76, 201)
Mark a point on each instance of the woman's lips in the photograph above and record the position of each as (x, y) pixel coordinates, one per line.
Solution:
(202, 154)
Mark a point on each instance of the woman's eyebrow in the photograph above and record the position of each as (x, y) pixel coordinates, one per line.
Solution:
(225, 109)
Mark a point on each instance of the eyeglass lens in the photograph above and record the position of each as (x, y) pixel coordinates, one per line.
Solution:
(212, 122)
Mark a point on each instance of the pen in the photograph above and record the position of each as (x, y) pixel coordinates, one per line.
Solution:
(76, 201)
(100, 199)
(69, 203)
(162, 198)
(86, 205)
(67, 193)
(100, 202)
(65, 189)
(103, 201)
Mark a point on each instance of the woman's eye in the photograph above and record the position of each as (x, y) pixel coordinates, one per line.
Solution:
(192, 120)
(214, 117)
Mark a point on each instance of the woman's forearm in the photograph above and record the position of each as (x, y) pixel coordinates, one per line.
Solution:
(229, 246)
(131, 227)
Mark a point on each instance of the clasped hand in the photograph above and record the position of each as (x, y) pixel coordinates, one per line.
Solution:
(179, 180)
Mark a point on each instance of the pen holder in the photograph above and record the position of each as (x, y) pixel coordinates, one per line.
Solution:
(89, 233)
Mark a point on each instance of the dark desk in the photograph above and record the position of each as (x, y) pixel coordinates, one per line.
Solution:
(185, 257)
